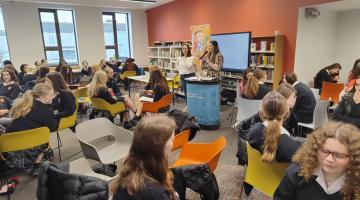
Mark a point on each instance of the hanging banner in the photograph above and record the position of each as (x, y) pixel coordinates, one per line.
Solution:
(200, 37)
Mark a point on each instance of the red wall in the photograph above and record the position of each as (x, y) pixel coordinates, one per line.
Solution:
(172, 21)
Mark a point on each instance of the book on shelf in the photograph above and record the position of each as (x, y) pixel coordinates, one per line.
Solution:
(263, 45)
(164, 54)
(261, 59)
(269, 74)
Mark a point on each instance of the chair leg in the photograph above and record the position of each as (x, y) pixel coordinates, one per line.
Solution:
(59, 145)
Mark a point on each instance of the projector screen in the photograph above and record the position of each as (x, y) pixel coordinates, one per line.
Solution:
(235, 48)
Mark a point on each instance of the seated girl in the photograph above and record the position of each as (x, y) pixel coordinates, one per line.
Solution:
(31, 111)
(326, 167)
(269, 137)
(348, 110)
(255, 87)
(9, 87)
(145, 172)
(156, 89)
(63, 104)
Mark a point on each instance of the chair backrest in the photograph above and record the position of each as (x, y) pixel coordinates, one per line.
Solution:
(175, 81)
(69, 121)
(216, 148)
(247, 108)
(126, 74)
(24, 139)
(181, 139)
(331, 90)
(320, 113)
(315, 91)
(81, 92)
(154, 107)
(102, 104)
(265, 177)
(94, 129)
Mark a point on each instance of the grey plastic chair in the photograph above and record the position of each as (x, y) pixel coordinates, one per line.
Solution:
(320, 116)
(82, 167)
(316, 93)
(246, 109)
(103, 141)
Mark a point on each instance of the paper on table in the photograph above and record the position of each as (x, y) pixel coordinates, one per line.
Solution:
(146, 99)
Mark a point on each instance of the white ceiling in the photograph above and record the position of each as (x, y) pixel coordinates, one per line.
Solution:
(340, 5)
(103, 3)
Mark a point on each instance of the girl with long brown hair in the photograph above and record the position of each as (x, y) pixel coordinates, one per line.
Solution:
(145, 172)
(255, 87)
(327, 166)
(269, 137)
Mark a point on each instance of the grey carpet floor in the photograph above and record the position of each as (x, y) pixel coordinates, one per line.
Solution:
(229, 175)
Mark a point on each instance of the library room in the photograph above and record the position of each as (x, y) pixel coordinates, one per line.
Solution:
(179, 99)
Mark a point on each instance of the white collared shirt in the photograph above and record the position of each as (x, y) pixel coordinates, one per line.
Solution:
(335, 186)
(185, 65)
(295, 83)
(282, 130)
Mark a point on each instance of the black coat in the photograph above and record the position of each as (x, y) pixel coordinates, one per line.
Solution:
(86, 72)
(148, 192)
(286, 146)
(348, 111)
(294, 187)
(183, 122)
(198, 178)
(11, 91)
(54, 183)
(304, 107)
(321, 76)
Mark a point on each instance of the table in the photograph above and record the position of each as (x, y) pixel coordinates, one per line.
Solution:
(203, 101)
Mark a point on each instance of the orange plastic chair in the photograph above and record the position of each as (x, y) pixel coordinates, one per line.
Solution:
(331, 91)
(181, 139)
(153, 107)
(201, 153)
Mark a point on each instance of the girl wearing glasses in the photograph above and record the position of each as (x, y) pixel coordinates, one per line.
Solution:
(327, 166)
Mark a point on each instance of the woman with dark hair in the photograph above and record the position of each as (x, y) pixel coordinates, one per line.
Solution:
(353, 74)
(249, 72)
(145, 172)
(63, 103)
(66, 72)
(255, 87)
(42, 74)
(23, 69)
(325, 167)
(212, 60)
(129, 66)
(185, 66)
(327, 74)
(269, 137)
(348, 110)
(61, 64)
(9, 86)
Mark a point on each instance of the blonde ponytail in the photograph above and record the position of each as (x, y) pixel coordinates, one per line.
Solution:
(272, 136)
(23, 105)
(98, 81)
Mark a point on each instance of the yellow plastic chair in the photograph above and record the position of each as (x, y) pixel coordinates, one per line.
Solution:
(64, 123)
(81, 95)
(175, 84)
(201, 153)
(114, 109)
(265, 177)
(181, 139)
(24, 140)
(126, 74)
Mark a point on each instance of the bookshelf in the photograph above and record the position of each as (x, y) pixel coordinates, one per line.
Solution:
(164, 54)
(267, 53)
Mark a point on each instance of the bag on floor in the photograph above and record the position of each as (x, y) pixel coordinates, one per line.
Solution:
(183, 122)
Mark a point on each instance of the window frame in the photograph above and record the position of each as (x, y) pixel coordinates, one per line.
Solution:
(58, 34)
(115, 45)
(6, 36)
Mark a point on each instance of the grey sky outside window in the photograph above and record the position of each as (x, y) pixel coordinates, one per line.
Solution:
(59, 37)
(4, 49)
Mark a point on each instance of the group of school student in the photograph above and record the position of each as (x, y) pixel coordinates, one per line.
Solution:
(50, 99)
(325, 165)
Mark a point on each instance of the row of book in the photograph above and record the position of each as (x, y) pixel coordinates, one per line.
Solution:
(164, 54)
(261, 59)
(176, 53)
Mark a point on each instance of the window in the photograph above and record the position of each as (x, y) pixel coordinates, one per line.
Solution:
(116, 35)
(59, 38)
(4, 49)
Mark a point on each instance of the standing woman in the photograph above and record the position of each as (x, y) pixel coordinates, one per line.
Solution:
(212, 60)
(31, 111)
(326, 167)
(9, 87)
(185, 65)
(145, 172)
(64, 103)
